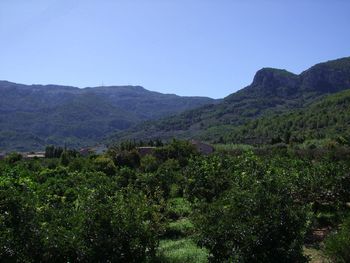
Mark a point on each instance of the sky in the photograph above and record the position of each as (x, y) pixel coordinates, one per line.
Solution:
(187, 47)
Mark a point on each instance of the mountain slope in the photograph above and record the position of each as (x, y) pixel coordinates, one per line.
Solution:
(327, 118)
(272, 91)
(32, 116)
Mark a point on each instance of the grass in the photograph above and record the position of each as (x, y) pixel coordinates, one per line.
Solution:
(315, 255)
(178, 245)
(178, 208)
(182, 250)
(180, 228)
(180, 225)
(232, 147)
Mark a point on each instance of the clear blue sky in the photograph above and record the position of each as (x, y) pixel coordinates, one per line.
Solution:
(188, 47)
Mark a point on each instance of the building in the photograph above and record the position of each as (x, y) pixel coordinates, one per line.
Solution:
(202, 147)
(145, 150)
(32, 155)
(85, 151)
(99, 149)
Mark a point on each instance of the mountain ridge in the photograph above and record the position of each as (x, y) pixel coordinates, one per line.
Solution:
(272, 90)
(32, 116)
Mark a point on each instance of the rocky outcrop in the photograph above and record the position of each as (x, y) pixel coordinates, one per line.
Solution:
(328, 77)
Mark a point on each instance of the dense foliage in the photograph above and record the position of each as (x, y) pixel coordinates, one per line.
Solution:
(318, 121)
(59, 215)
(245, 206)
(250, 210)
(338, 244)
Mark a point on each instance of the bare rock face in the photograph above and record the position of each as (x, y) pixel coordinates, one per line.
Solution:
(276, 82)
(323, 78)
(328, 77)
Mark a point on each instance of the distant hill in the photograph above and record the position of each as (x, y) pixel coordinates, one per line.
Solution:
(273, 91)
(32, 116)
(328, 117)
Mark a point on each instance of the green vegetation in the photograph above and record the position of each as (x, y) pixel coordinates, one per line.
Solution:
(277, 189)
(328, 118)
(181, 251)
(338, 244)
(241, 204)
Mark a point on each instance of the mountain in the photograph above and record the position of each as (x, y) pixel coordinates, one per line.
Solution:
(328, 117)
(273, 91)
(32, 116)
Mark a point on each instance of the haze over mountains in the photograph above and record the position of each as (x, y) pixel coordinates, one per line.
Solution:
(34, 116)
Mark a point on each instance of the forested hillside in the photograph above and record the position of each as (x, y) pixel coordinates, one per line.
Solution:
(326, 118)
(32, 117)
(272, 91)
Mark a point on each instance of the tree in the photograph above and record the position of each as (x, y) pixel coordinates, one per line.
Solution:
(13, 158)
(254, 220)
(65, 158)
(106, 165)
(49, 151)
(338, 244)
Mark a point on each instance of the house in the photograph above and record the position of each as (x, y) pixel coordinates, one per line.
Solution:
(32, 155)
(145, 150)
(202, 147)
(85, 151)
(99, 149)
